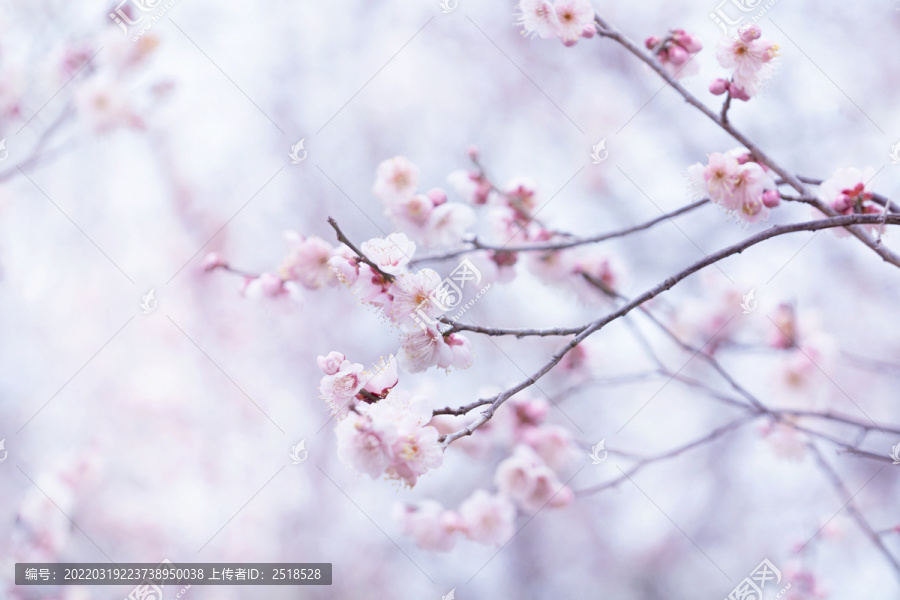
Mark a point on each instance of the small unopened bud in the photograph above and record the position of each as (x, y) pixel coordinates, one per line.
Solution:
(437, 196)
(738, 92)
(678, 55)
(771, 198)
(718, 86)
(652, 42)
(753, 32)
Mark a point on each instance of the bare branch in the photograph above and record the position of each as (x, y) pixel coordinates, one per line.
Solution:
(854, 512)
(591, 328)
(478, 245)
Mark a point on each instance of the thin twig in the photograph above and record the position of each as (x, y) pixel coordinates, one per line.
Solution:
(346, 241)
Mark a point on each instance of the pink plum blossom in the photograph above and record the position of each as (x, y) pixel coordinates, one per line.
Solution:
(422, 348)
(430, 525)
(538, 17)
(412, 292)
(527, 480)
(390, 437)
(331, 363)
(447, 224)
(391, 254)
(567, 20)
(338, 389)
(488, 518)
(750, 57)
(395, 179)
(307, 261)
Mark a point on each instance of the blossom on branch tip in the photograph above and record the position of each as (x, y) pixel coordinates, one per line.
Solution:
(331, 363)
(307, 261)
(391, 254)
(750, 58)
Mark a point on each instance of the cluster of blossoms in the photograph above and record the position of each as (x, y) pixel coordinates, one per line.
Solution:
(736, 182)
(510, 215)
(527, 480)
(408, 301)
(568, 20)
(388, 436)
(428, 217)
(305, 266)
(750, 57)
(675, 51)
(104, 96)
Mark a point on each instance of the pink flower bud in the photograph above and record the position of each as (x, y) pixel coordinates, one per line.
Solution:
(589, 31)
(213, 261)
(842, 204)
(473, 152)
(678, 55)
(738, 92)
(563, 498)
(437, 196)
(690, 43)
(771, 198)
(271, 283)
(330, 364)
(718, 86)
(753, 32)
(652, 42)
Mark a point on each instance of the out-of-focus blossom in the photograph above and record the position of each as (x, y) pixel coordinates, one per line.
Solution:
(395, 179)
(430, 526)
(488, 518)
(307, 261)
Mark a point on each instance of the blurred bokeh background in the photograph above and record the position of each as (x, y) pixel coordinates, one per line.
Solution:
(136, 437)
